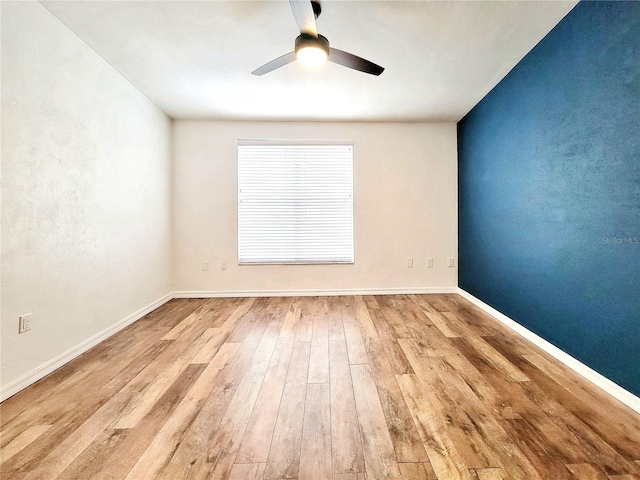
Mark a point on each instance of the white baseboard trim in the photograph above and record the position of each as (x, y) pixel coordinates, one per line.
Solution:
(577, 366)
(46, 368)
(312, 292)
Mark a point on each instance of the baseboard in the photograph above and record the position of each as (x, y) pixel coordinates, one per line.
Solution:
(46, 368)
(312, 292)
(577, 366)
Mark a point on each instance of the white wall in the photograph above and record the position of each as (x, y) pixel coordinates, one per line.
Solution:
(405, 207)
(86, 216)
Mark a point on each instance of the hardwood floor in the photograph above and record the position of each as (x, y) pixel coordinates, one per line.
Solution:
(338, 388)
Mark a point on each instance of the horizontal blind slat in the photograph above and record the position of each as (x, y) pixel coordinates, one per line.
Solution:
(295, 204)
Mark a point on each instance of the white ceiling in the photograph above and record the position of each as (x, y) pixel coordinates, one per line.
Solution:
(194, 58)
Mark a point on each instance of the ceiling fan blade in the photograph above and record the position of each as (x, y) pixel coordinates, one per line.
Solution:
(273, 64)
(353, 61)
(305, 17)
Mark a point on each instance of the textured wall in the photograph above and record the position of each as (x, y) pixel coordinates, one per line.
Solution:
(85, 192)
(404, 207)
(549, 191)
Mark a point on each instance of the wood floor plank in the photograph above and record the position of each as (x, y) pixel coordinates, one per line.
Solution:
(304, 327)
(284, 452)
(207, 345)
(522, 397)
(586, 471)
(445, 458)
(223, 449)
(423, 330)
(235, 315)
(404, 435)
(460, 407)
(410, 311)
(498, 403)
(79, 424)
(122, 459)
(379, 455)
(89, 390)
(347, 455)
(74, 444)
(198, 345)
(245, 398)
(159, 452)
(29, 435)
(438, 302)
(211, 340)
(562, 411)
(462, 428)
(319, 362)
(545, 459)
(417, 471)
(616, 422)
(501, 450)
(334, 314)
(460, 323)
(257, 314)
(210, 307)
(291, 320)
(257, 437)
(353, 335)
(315, 455)
(206, 445)
(58, 382)
(469, 314)
(499, 362)
(443, 324)
(407, 386)
(392, 316)
(394, 353)
(248, 471)
(489, 474)
(197, 455)
(363, 317)
(418, 322)
(94, 457)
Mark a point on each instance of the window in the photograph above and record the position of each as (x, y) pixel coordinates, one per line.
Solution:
(295, 203)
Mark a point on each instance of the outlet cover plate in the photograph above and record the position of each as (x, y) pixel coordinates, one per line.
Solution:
(24, 323)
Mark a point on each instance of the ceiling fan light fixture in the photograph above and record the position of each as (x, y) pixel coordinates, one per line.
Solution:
(312, 52)
(313, 49)
(311, 57)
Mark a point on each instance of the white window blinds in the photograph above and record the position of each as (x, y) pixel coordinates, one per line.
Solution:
(295, 204)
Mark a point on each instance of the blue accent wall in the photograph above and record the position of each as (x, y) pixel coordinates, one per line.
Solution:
(549, 191)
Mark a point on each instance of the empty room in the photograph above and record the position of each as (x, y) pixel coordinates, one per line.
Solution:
(335, 239)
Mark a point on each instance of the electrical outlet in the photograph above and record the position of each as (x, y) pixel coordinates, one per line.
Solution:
(429, 262)
(223, 265)
(409, 262)
(24, 323)
(205, 266)
(449, 262)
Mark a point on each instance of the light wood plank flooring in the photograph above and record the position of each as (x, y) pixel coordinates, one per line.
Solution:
(337, 388)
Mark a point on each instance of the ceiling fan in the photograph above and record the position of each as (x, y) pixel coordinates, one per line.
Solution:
(312, 49)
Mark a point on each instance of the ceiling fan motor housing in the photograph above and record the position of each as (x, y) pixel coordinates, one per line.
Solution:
(309, 41)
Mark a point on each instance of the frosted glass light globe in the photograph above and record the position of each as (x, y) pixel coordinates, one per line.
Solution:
(311, 57)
